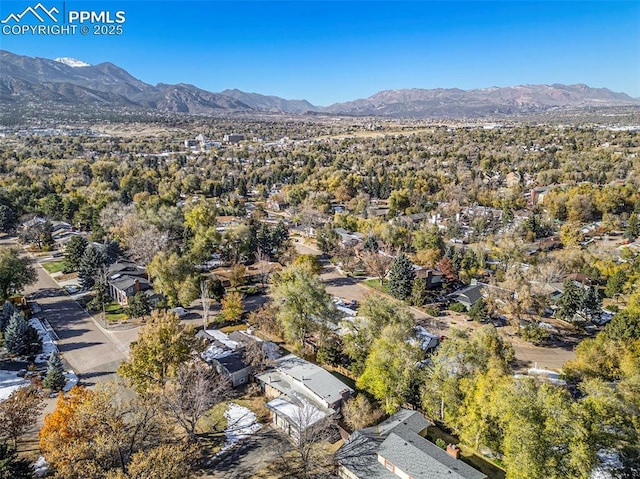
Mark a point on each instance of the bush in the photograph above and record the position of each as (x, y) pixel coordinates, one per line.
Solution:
(432, 310)
(534, 334)
(457, 307)
(441, 443)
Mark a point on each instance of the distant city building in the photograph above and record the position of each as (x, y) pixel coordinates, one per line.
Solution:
(233, 138)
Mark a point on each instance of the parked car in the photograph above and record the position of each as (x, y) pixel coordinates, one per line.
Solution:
(180, 312)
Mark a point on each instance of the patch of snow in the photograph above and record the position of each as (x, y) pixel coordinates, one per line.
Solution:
(241, 423)
(40, 467)
(72, 62)
(72, 380)
(9, 382)
(215, 352)
(48, 344)
(609, 462)
(223, 338)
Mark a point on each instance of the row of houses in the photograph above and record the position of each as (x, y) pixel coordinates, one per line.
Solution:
(302, 394)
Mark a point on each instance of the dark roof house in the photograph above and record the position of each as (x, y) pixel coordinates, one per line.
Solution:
(468, 296)
(395, 448)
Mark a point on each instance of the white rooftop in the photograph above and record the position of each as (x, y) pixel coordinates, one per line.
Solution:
(293, 374)
(299, 411)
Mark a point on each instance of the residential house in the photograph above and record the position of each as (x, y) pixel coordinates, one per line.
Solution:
(125, 279)
(395, 448)
(277, 204)
(122, 288)
(434, 279)
(426, 341)
(347, 238)
(468, 296)
(301, 394)
(226, 353)
(412, 220)
(36, 220)
(254, 273)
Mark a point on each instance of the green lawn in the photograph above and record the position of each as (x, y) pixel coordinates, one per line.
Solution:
(115, 312)
(375, 284)
(53, 266)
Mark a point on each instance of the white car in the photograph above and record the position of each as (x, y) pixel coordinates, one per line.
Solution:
(180, 312)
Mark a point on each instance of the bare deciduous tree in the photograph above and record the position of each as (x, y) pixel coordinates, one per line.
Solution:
(377, 264)
(195, 389)
(359, 412)
(205, 301)
(313, 433)
(262, 263)
(256, 353)
(19, 412)
(142, 239)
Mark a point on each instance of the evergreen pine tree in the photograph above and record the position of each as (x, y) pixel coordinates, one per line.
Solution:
(419, 292)
(73, 252)
(111, 251)
(632, 230)
(7, 311)
(370, 244)
(401, 277)
(12, 466)
(139, 305)
(570, 302)
(54, 379)
(592, 302)
(20, 338)
(479, 312)
(279, 235)
(91, 261)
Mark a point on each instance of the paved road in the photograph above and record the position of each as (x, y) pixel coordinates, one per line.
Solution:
(93, 354)
(527, 355)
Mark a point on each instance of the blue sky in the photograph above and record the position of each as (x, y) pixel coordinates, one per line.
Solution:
(327, 52)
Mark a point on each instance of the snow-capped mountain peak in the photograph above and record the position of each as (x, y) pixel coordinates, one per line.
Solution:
(72, 62)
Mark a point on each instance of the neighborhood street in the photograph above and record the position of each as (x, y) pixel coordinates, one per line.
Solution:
(93, 354)
(348, 288)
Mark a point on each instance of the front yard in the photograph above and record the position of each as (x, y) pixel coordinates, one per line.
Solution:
(53, 266)
(115, 312)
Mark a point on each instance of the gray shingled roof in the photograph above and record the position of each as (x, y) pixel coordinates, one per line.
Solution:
(397, 439)
(318, 380)
(421, 459)
(469, 295)
(125, 282)
(234, 362)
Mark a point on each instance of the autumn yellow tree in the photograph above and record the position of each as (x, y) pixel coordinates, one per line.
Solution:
(163, 344)
(232, 307)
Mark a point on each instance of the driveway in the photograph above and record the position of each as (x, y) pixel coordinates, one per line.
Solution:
(254, 454)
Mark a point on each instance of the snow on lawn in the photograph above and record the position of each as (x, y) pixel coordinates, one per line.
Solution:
(9, 382)
(40, 467)
(48, 344)
(72, 380)
(241, 423)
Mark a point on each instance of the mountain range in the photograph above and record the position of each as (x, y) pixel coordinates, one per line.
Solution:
(66, 82)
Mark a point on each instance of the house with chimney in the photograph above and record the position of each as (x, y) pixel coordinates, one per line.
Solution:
(396, 448)
(125, 279)
(301, 394)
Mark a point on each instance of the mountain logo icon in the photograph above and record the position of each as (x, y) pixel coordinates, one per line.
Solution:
(38, 11)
